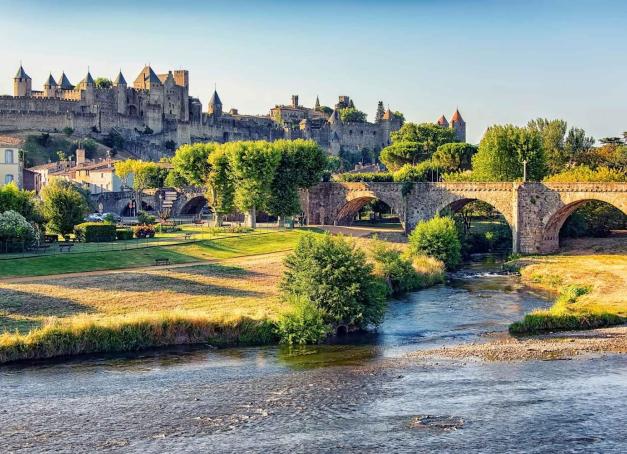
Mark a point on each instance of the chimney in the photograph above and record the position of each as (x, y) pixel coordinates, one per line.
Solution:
(80, 156)
(294, 100)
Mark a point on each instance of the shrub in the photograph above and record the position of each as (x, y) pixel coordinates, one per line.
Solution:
(108, 218)
(585, 173)
(437, 238)
(143, 231)
(15, 228)
(64, 206)
(396, 270)
(145, 218)
(95, 232)
(123, 234)
(424, 171)
(333, 275)
(364, 176)
(304, 325)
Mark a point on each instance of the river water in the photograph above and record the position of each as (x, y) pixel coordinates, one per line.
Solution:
(359, 395)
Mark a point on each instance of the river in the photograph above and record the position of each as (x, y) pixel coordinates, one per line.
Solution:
(358, 395)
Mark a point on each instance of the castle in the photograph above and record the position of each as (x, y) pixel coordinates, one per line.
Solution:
(158, 109)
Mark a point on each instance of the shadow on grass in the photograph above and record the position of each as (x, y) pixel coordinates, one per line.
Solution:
(23, 326)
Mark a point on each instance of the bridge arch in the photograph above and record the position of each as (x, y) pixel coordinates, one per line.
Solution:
(356, 200)
(554, 221)
(194, 205)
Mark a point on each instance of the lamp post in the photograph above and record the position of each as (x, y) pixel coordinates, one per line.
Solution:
(524, 170)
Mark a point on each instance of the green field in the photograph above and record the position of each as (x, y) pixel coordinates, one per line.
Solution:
(177, 252)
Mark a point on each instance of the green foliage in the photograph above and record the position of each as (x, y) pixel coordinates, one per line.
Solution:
(437, 238)
(333, 275)
(414, 143)
(220, 183)
(145, 174)
(583, 173)
(352, 115)
(64, 206)
(502, 151)
(424, 171)
(95, 232)
(20, 201)
(123, 234)
(560, 317)
(399, 116)
(454, 157)
(325, 110)
(108, 218)
(191, 162)
(364, 176)
(465, 176)
(252, 165)
(68, 131)
(301, 165)
(145, 218)
(397, 271)
(15, 227)
(114, 139)
(305, 324)
(103, 82)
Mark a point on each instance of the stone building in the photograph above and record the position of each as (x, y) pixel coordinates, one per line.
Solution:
(11, 166)
(157, 110)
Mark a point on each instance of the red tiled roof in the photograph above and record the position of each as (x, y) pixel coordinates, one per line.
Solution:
(9, 141)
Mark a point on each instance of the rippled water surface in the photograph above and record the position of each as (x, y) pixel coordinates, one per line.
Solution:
(360, 395)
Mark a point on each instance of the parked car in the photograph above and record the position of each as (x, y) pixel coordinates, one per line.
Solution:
(94, 217)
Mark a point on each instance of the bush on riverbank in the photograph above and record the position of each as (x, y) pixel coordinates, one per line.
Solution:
(334, 276)
(437, 238)
(304, 325)
(82, 335)
(400, 273)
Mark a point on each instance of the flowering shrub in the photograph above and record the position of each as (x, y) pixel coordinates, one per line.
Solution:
(144, 231)
(14, 227)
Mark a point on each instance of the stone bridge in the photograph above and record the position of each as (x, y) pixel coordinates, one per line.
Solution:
(534, 211)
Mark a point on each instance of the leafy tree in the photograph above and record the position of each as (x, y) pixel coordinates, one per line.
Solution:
(424, 171)
(611, 141)
(608, 155)
(15, 227)
(252, 165)
(453, 157)
(437, 238)
(334, 275)
(399, 116)
(103, 82)
(145, 175)
(64, 206)
(192, 164)
(502, 151)
(561, 146)
(594, 218)
(325, 110)
(414, 143)
(301, 165)
(220, 184)
(352, 115)
(20, 201)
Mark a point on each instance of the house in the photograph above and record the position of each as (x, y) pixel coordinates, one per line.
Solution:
(10, 160)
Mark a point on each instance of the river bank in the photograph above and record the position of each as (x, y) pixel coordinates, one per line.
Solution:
(554, 346)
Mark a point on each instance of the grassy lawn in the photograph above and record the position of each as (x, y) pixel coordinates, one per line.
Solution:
(221, 247)
(590, 280)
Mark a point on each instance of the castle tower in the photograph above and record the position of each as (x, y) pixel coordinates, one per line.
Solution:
(459, 125)
(317, 106)
(22, 83)
(88, 86)
(295, 101)
(334, 120)
(442, 121)
(50, 87)
(120, 85)
(215, 105)
(147, 79)
(378, 118)
(64, 82)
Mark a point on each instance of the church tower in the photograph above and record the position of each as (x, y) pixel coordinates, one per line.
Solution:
(22, 83)
(459, 125)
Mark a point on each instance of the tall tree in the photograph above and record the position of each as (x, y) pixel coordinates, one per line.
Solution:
(502, 151)
(192, 164)
(20, 201)
(454, 157)
(414, 143)
(144, 175)
(220, 184)
(64, 206)
(253, 165)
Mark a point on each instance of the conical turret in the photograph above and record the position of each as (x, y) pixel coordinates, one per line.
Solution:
(215, 104)
(22, 83)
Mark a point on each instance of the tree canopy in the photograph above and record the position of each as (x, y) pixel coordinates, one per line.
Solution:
(22, 202)
(414, 143)
(191, 163)
(502, 151)
(453, 157)
(64, 206)
(352, 115)
(103, 82)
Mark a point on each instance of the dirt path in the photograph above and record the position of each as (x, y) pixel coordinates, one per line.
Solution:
(244, 259)
(552, 346)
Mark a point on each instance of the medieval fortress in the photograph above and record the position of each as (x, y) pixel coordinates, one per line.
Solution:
(158, 109)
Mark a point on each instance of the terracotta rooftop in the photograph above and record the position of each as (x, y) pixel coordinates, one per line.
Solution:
(9, 141)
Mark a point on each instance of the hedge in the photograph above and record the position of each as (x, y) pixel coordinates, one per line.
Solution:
(365, 176)
(95, 232)
(124, 234)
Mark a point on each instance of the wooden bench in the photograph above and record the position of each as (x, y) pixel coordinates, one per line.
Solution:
(40, 247)
(198, 221)
(162, 261)
(66, 246)
(188, 236)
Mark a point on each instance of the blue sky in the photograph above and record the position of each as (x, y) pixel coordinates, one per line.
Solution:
(499, 61)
